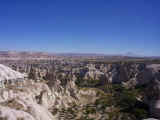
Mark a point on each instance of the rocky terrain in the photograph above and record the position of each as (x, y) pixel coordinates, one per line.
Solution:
(79, 90)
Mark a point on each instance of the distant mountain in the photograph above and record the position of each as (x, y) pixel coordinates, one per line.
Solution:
(131, 54)
(23, 54)
(32, 55)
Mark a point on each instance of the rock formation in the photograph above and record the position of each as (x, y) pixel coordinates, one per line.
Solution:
(55, 88)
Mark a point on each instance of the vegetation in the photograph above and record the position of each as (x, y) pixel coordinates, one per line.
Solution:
(87, 83)
(120, 101)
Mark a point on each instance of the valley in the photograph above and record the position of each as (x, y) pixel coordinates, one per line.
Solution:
(73, 88)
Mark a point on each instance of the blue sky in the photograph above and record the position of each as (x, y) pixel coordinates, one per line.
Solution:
(81, 26)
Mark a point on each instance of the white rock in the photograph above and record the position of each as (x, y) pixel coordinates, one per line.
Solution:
(12, 114)
(7, 73)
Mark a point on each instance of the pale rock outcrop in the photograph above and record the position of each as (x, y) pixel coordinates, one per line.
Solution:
(28, 102)
(7, 73)
(7, 113)
(31, 106)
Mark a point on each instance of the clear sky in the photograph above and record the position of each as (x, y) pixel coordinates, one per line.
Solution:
(81, 26)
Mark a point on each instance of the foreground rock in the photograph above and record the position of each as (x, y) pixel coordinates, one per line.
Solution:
(20, 102)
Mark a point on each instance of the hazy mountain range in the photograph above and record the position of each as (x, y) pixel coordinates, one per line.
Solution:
(28, 54)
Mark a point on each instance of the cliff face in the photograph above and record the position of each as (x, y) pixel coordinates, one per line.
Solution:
(153, 91)
(18, 102)
(36, 100)
(86, 88)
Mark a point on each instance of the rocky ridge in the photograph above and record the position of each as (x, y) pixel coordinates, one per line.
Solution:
(53, 90)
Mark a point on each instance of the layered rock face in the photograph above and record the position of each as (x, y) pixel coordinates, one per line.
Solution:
(58, 85)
